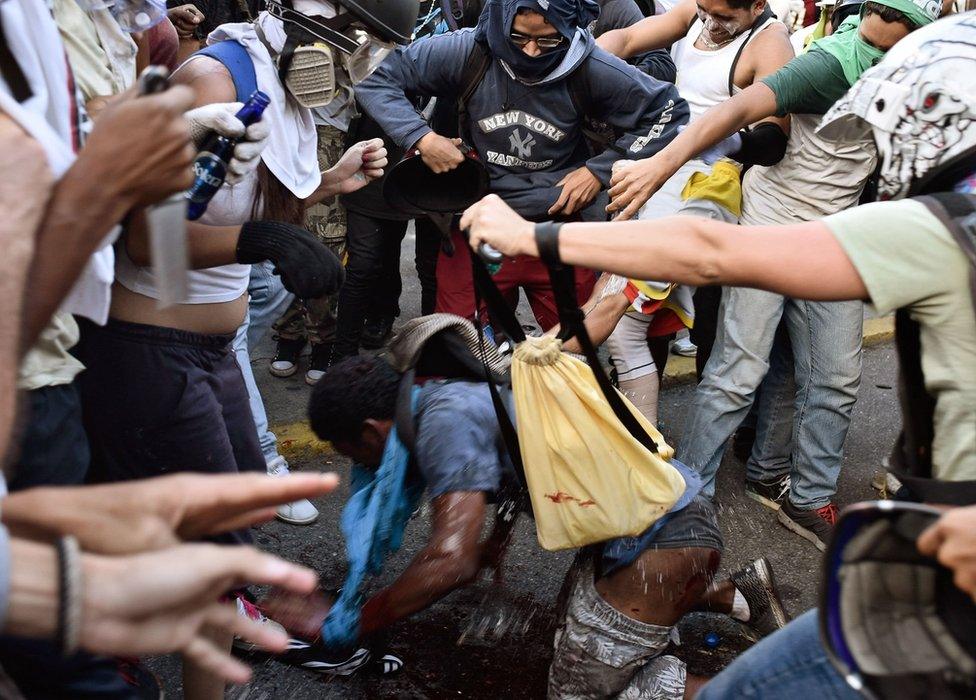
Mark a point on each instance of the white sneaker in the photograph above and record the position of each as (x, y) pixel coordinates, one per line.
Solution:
(312, 376)
(684, 347)
(300, 512)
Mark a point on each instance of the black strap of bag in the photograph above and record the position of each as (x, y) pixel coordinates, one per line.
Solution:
(562, 278)
(760, 20)
(502, 314)
(571, 320)
(911, 458)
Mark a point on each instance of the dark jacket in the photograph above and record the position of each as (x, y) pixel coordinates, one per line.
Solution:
(618, 14)
(528, 135)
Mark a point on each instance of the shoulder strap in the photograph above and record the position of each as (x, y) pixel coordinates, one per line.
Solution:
(579, 89)
(957, 212)
(912, 454)
(761, 20)
(238, 63)
(475, 67)
(571, 321)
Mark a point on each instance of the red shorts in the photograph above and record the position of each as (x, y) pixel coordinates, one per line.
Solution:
(455, 286)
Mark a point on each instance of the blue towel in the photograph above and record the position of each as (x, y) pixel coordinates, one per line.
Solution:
(373, 522)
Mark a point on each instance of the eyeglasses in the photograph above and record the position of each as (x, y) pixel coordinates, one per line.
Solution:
(543, 42)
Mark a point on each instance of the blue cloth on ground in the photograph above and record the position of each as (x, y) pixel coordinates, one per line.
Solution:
(376, 514)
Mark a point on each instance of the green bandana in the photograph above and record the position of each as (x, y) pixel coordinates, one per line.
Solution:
(853, 53)
(919, 12)
(856, 55)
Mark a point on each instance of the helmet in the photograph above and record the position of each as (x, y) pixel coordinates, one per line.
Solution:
(844, 9)
(892, 621)
(413, 188)
(390, 20)
(919, 103)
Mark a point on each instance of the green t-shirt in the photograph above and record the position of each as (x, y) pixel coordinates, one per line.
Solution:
(907, 259)
(809, 84)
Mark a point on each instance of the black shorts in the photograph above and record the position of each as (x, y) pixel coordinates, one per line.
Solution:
(160, 400)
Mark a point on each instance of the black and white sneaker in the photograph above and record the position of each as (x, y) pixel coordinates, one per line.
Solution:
(315, 657)
(756, 583)
(772, 493)
(386, 664)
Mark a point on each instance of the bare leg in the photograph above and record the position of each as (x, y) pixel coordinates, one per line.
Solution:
(718, 598)
(693, 684)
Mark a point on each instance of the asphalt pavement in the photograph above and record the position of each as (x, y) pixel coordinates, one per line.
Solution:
(436, 665)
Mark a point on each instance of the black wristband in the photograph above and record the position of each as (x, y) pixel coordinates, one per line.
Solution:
(69, 594)
(547, 241)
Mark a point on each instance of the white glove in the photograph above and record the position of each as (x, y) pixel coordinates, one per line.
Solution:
(220, 118)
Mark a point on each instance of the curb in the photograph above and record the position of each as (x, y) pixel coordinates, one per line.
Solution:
(297, 441)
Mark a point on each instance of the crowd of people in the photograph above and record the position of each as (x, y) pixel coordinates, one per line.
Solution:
(751, 172)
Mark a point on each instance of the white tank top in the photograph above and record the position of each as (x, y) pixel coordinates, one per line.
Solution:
(229, 207)
(703, 76)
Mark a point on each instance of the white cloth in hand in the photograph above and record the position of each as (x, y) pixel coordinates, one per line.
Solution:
(220, 118)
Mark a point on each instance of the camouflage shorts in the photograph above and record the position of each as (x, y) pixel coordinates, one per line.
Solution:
(314, 319)
(602, 653)
(328, 221)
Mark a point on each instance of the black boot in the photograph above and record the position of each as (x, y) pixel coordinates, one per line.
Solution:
(375, 332)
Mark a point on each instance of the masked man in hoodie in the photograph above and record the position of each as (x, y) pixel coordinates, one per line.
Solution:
(545, 76)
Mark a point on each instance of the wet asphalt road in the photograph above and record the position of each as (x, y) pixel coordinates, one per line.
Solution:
(437, 667)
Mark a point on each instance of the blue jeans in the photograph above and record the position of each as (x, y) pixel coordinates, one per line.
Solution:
(268, 300)
(826, 342)
(791, 663)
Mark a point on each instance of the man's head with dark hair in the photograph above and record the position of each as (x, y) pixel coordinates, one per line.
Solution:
(883, 26)
(723, 20)
(888, 14)
(353, 406)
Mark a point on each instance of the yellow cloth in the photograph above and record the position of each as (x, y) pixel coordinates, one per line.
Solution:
(721, 186)
(588, 478)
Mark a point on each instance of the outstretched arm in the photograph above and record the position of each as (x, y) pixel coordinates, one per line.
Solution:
(635, 185)
(656, 32)
(800, 260)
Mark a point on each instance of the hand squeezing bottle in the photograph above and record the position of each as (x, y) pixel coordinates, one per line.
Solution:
(210, 167)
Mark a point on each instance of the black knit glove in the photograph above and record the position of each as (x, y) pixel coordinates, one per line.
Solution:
(308, 269)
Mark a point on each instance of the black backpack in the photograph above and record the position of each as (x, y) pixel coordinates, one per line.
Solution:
(911, 458)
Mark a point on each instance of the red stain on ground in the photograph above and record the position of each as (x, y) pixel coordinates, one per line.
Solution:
(584, 504)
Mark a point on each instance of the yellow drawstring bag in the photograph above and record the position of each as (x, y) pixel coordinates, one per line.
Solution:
(588, 478)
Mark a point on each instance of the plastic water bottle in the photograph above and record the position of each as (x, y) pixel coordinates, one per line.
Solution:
(210, 167)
